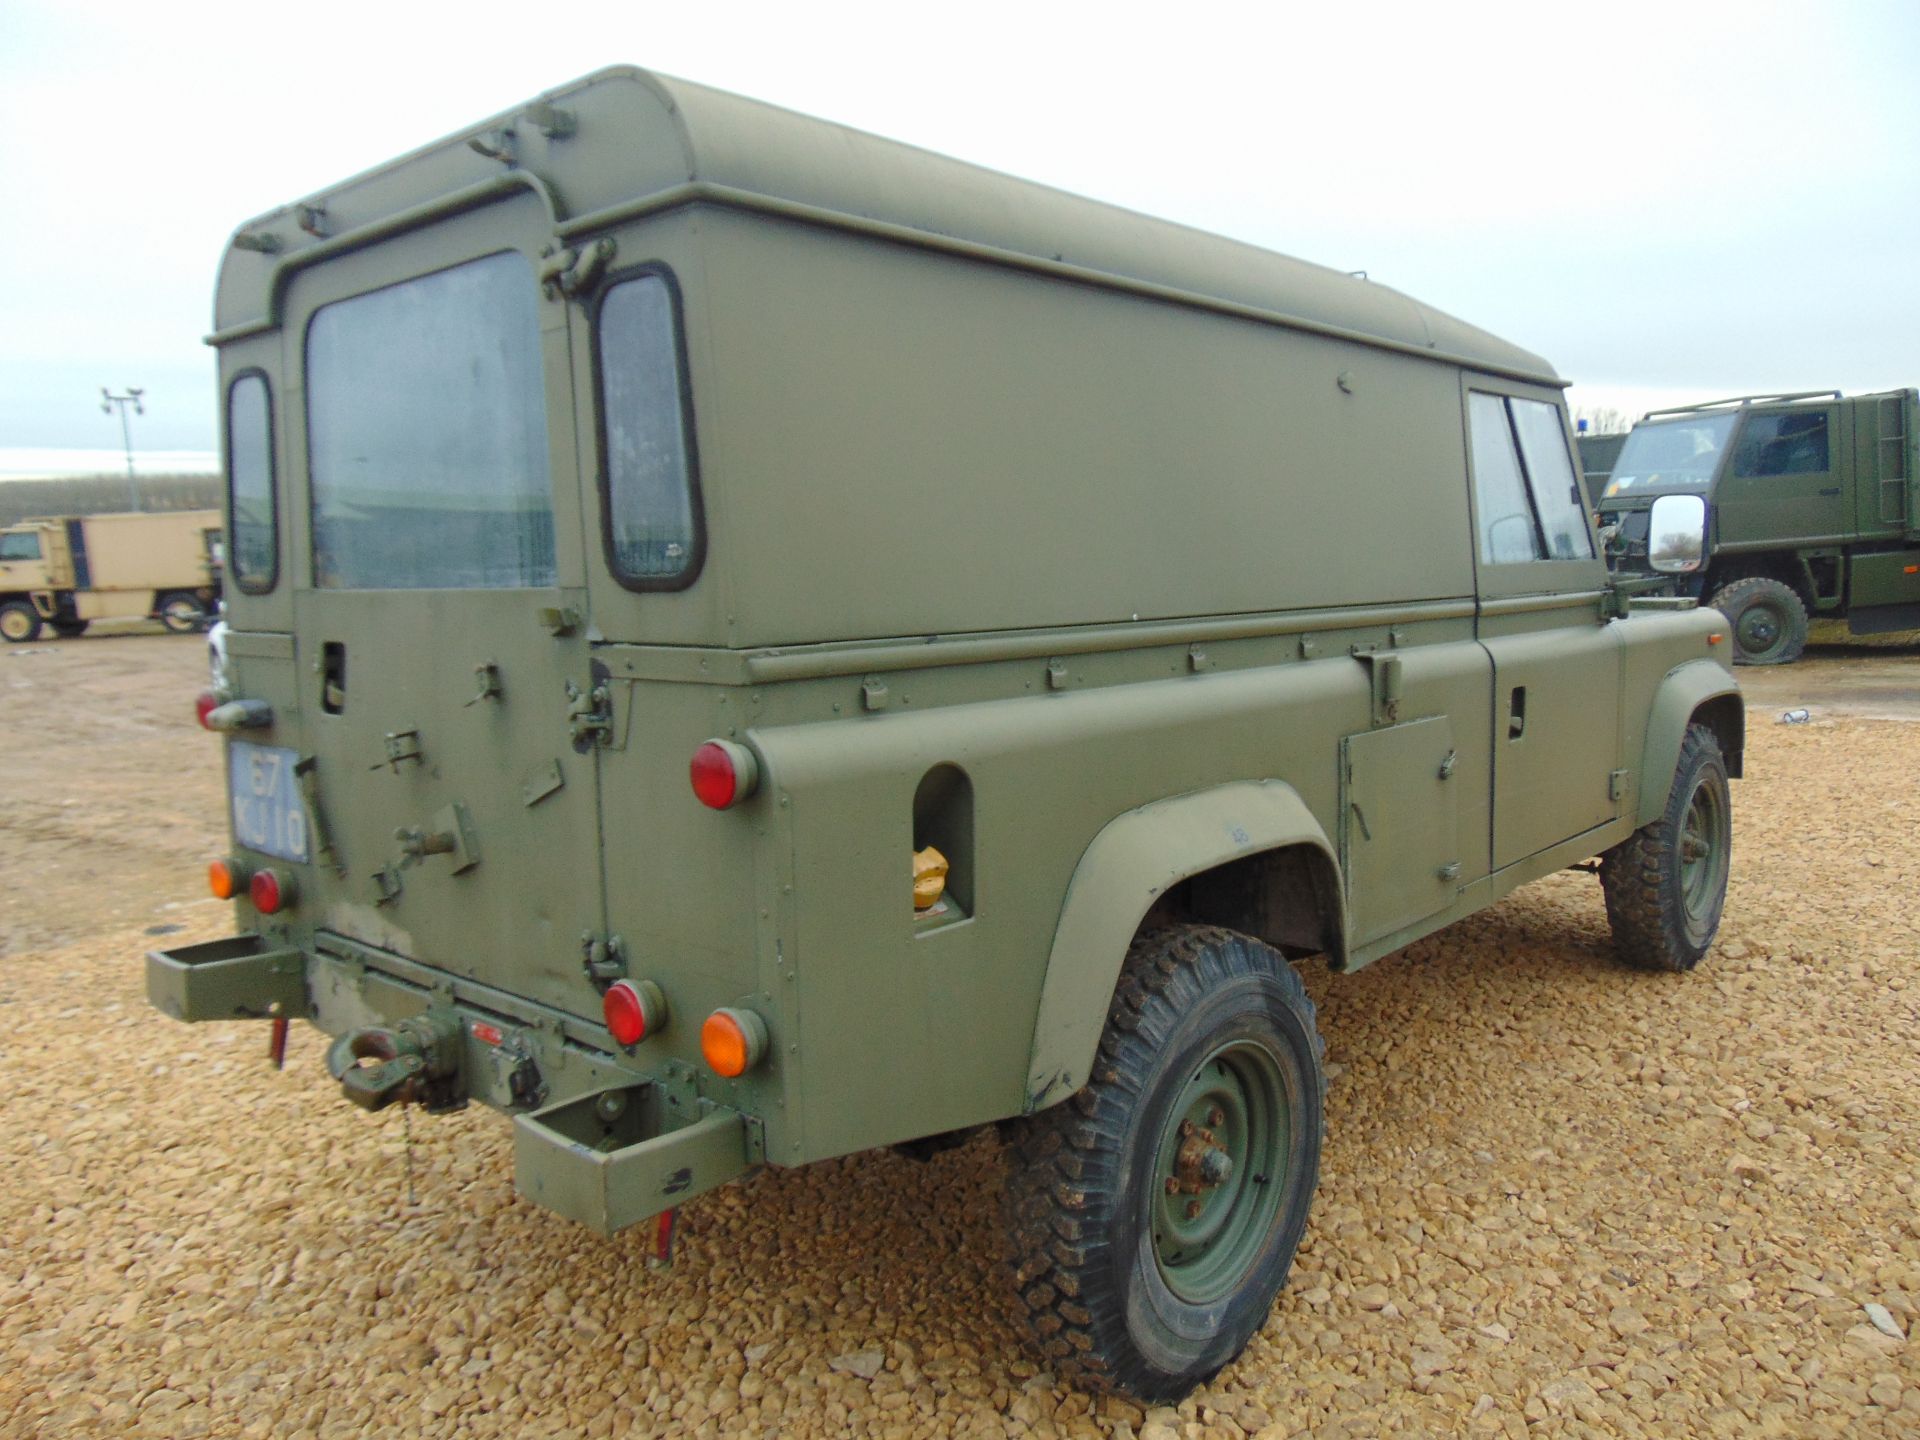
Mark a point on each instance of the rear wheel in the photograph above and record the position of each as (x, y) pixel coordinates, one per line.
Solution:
(1666, 884)
(181, 613)
(1155, 1215)
(19, 622)
(1768, 619)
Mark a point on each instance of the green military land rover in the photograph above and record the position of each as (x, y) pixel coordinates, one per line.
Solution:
(1774, 508)
(752, 642)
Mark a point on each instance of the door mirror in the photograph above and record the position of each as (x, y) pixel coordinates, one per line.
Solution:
(1677, 534)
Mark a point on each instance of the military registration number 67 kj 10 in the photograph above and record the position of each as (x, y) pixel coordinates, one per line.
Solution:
(267, 811)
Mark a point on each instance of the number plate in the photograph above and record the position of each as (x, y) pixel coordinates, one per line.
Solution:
(267, 811)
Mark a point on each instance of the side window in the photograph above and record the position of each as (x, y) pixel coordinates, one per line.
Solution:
(1794, 444)
(1556, 492)
(1524, 484)
(19, 547)
(1508, 534)
(250, 498)
(651, 506)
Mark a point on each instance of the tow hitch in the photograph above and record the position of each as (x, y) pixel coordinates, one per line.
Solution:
(416, 1062)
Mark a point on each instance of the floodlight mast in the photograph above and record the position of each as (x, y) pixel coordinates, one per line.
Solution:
(109, 402)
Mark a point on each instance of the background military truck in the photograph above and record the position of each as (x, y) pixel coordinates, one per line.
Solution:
(1809, 509)
(65, 573)
(752, 642)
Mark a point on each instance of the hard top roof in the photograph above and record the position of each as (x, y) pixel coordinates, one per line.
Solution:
(625, 140)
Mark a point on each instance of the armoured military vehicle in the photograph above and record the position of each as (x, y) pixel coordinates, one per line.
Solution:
(64, 573)
(751, 642)
(1774, 508)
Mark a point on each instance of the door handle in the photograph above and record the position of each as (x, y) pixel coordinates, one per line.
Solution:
(1830, 490)
(1517, 713)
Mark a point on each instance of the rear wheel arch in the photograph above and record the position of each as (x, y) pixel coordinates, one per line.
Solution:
(1248, 856)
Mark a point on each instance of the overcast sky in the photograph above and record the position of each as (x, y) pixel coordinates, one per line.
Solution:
(1664, 200)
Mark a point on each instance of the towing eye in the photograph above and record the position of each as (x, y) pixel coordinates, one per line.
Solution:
(414, 1062)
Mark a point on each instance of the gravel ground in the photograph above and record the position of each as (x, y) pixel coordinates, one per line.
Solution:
(1558, 1198)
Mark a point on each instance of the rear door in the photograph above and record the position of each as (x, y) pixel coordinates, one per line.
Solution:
(441, 607)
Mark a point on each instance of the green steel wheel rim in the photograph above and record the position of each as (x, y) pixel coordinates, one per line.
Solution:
(1219, 1172)
(1761, 629)
(1703, 855)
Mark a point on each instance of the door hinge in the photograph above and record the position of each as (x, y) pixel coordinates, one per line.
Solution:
(590, 715)
(603, 957)
(1384, 674)
(1617, 784)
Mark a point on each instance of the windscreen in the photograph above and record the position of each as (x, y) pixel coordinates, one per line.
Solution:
(1665, 456)
(427, 434)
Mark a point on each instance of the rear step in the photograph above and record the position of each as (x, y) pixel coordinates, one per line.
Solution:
(238, 978)
(604, 1159)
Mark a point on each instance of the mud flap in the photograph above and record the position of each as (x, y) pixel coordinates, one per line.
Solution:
(605, 1160)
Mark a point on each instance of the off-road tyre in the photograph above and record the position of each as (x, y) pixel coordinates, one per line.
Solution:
(69, 629)
(182, 613)
(1664, 900)
(19, 622)
(1204, 1022)
(1768, 620)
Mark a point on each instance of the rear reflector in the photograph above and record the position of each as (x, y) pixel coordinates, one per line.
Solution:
(723, 773)
(733, 1041)
(270, 891)
(203, 706)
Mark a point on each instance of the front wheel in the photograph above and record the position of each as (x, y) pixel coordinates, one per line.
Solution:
(1155, 1214)
(19, 622)
(183, 614)
(1666, 884)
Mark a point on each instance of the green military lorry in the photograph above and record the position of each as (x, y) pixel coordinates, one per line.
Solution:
(1783, 507)
(751, 642)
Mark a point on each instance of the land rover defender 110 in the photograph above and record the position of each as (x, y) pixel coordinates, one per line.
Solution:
(752, 642)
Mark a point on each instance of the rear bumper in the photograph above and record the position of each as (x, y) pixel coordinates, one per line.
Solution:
(595, 1139)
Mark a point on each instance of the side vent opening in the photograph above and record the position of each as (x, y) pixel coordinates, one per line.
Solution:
(943, 823)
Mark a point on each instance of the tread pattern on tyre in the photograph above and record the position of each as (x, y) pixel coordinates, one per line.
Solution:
(1731, 599)
(1642, 910)
(1066, 1156)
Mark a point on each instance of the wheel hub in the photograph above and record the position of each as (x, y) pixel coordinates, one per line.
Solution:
(1220, 1160)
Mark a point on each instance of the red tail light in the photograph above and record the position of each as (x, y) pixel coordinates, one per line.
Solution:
(270, 891)
(203, 705)
(634, 1010)
(723, 773)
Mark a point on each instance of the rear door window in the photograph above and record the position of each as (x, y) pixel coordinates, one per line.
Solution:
(427, 434)
(251, 501)
(19, 547)
(651, 505)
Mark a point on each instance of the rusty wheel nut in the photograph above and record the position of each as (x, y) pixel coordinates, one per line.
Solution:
(1216, 1116)
(1186, 1127)
(1193, 1210)
(1173, 1186)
